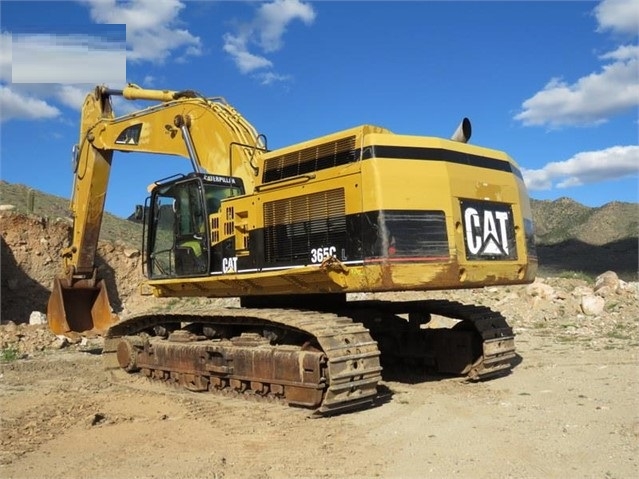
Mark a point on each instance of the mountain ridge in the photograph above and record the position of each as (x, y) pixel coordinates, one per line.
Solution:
(564, 219)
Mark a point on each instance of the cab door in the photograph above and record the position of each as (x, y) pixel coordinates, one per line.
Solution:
(177, 231)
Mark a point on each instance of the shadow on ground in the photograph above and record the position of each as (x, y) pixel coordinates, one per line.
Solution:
(621, 256)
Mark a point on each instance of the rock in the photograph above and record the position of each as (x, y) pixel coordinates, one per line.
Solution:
(357, 296)
(72, 337)
(592, 305)
(59, 342)
(607, 283)
(10, 327)
(632, 287)
(131, 253)
(582, 291)
(541, 290)
(7, 207)
(95, 419)
(37, 317)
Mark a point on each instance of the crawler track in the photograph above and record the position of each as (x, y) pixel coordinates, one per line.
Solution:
(480, 346)
(332, 366)
(328, 361)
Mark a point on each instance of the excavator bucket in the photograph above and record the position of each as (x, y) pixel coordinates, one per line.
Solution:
(79, 308)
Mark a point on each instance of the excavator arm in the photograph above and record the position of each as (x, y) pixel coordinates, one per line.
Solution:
(207, 131)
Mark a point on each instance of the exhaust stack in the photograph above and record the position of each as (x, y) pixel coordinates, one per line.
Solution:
(463, 131)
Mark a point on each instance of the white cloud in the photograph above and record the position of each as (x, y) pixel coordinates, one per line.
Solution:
(585, 167)
(266, 78)
(14, 105)
(69, 62)
(6, 42)
(71, 95)
(46, 58)
(152, 27)
(593, 98)
(40, 100)
(619, 16)
(265, 31)
(273, 18)
(236, 46)
(55, 69)
(624, 52)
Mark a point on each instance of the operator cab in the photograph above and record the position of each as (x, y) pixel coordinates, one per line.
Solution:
(176, 227)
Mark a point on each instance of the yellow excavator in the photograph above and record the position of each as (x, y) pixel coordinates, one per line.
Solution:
(292, 232)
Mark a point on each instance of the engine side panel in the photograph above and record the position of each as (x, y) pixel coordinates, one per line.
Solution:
(420, 214)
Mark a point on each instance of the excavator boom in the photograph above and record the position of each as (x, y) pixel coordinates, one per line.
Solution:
(209, 132)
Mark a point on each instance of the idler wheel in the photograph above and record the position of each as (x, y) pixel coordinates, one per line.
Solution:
(127, 355)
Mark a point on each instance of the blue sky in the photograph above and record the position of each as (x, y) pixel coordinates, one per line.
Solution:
(554, 84)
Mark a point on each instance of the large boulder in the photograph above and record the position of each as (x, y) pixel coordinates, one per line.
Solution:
(37, 318)
(592, 305)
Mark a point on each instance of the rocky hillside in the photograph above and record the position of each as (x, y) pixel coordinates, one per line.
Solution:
(31, 201)
(31, 248)
(572, 237)
(565, 220)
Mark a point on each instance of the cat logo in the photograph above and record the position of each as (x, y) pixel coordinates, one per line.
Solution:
(229, 265)
(488, 231)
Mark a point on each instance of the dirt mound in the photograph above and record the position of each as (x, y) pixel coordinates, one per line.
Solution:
(31, 247)
(30, 258)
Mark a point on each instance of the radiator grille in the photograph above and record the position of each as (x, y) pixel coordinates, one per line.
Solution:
(295, 226)
(320, 157)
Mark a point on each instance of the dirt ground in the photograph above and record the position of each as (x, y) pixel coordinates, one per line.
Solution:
(569, 409)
